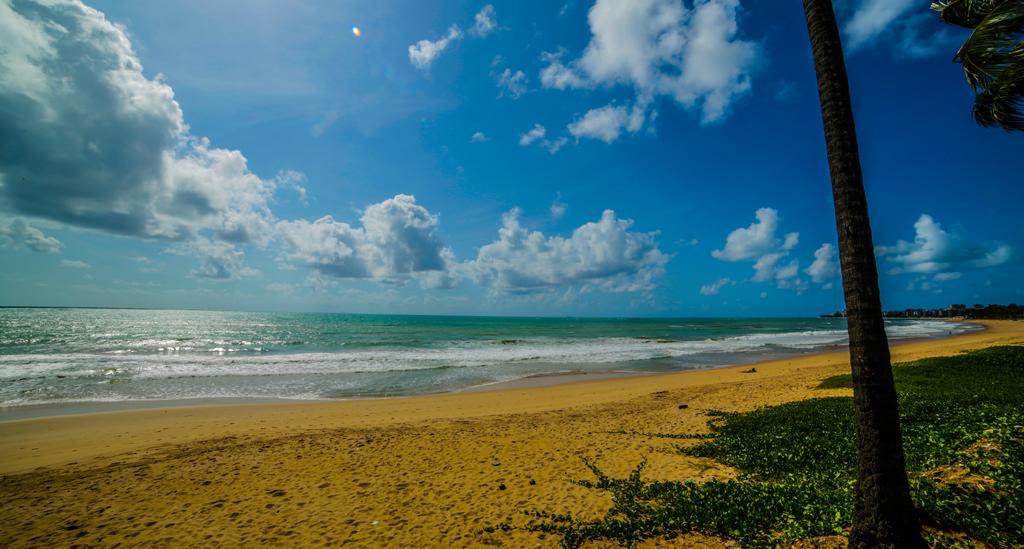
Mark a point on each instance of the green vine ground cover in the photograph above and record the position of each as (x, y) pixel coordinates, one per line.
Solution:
(963, 427)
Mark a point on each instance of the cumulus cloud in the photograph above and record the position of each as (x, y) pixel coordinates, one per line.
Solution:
(759, 243)
(217, 260)
(538, 135)
(907, 25)
(484, 22)
(601, 255)
(756, 240)
(293, 180)
(823, 269)
(716, 286)
(478, 137)
(402, 237)
(607, 123)
(559, 76)
(553, 146)
(511, 83)
(396, 240)
(20, 234)
(441, 279)
(102, 146)
(423, 53)
(784, 274)
(662, 48)
(935, 250)
(871, 18)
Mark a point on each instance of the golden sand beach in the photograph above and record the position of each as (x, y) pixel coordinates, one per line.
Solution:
(425, 471)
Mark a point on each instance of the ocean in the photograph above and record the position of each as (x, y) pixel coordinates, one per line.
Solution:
(52, 356)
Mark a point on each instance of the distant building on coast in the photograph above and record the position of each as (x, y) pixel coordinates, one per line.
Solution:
(958, 310)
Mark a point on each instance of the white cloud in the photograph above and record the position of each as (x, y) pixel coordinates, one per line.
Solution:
(760, 244)
(555, 145)
(512, 83)
(661, 48)
(716, 286)
(20, 234)
(397, 240)
(329, 246)
(607, 123)
(102, 146)
(756, 240)
(217, 260)
(943, 277)
(558, 76)
(903, 24)
(767, 267)
(423, 53)
(74, 264)
(824, 268)
(934, 250)
(484, 22)
(402, 238)
(602, 255)
(771, 268)
(536, 133)
(441, 279)
(478, 137)
(558, 208)
(296, 181)
(871, 18)
(994, 256)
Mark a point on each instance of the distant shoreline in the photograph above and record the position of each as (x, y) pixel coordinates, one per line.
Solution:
(560, 373)
(419, 315)
(44, 410)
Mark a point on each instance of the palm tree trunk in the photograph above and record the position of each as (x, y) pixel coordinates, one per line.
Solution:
(884, 514)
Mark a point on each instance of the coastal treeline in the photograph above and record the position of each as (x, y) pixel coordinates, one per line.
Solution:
(976, 311)
(1010, 312)
(957, 310)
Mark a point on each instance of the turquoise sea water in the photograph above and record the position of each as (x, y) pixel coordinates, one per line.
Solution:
(84, 355)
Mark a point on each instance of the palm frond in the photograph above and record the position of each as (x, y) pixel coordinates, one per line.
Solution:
(1001, 103)
(995, 43)
(964, 13)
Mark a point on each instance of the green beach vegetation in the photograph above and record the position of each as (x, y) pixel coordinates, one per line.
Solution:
(962, 419)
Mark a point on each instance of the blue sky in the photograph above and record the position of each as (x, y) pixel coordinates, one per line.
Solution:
(657, 157)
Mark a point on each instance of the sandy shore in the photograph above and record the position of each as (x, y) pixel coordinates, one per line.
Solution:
(416, 471)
